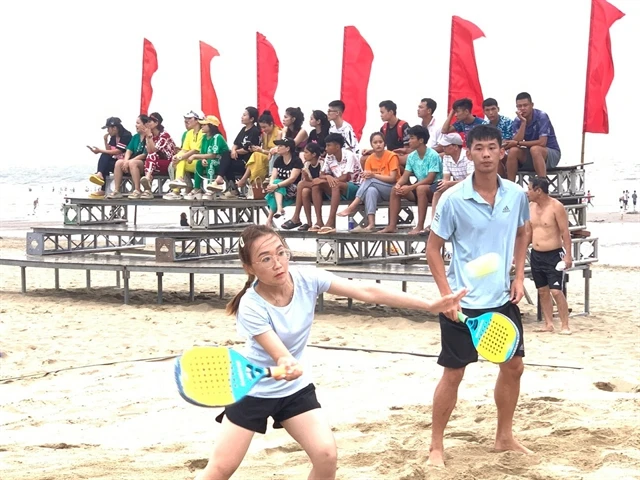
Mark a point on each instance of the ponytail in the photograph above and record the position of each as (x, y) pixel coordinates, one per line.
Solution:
(234, 304)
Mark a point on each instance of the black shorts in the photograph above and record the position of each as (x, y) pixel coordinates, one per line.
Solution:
(252, 413)
(543, 268)
(455, 338)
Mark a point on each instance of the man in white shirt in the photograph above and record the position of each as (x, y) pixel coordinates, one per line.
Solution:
(425, 112)
(338, 125)
(339, 180)
(455, 166)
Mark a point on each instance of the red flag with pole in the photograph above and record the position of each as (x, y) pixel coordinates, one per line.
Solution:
(209, 100)
(599, 66)
(357, 58)
(464, 81)
(267, 75)
(149, 67)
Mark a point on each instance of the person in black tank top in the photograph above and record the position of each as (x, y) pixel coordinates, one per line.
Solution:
(312, 167)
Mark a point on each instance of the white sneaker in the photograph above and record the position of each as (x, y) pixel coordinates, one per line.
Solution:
(177, 183)
(172, 196)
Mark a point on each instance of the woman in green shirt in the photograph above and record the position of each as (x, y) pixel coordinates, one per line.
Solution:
(208, 161)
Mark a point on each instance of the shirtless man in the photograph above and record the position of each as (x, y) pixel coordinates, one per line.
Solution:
(549, 234)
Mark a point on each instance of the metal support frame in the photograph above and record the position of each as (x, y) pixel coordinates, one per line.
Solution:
(159, 185)
(221, 215)
(216, 248)
(568, 182)
(55, 243)
(79, 214)
(405, 216)
(357, 250)
(577, 216)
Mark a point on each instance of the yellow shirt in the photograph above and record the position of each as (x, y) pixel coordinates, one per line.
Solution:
(192, 142)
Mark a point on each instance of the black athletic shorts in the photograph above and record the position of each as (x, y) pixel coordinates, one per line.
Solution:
(252, 413)
(455, 338)
(543, 268)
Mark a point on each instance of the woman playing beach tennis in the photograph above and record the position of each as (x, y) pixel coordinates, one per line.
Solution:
(275, 310)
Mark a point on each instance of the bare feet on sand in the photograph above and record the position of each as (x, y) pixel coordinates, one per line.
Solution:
(564, 331)
(545, 329)
(388, 230)
(511, 445)
(436, 458)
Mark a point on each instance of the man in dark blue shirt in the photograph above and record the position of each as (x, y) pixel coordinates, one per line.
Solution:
(534, 145)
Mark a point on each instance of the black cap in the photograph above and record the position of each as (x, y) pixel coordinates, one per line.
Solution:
(112, 122)
(287, 142)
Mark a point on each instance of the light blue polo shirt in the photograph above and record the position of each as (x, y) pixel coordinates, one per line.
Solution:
(474, 228)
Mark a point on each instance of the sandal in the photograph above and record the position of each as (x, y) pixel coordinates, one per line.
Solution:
(135, 195)
(146, 195)
(114, 195)
(425, 232)
(96, 179)
(304, 228)
(290, 225)
(326, 230)
(314, 229)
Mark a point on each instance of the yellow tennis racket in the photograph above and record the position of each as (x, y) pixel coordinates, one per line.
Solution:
(494, 335)
(218, 376)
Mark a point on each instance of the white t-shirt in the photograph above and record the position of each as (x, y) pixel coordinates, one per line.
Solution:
(435, 132)
(291, 323)
(350, 139)
(350, 163)
(458, 170)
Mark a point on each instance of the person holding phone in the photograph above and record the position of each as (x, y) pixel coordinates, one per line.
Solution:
(115, 145)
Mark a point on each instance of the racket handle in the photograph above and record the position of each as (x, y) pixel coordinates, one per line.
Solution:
(462, 317)
(281, 371)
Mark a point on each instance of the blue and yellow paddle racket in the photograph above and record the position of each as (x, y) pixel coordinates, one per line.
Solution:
(494, 335)
(218, 376)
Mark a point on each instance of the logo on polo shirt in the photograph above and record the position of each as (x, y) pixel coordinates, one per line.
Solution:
(505, 210)
(436, 218)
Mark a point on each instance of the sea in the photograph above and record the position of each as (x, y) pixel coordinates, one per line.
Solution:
(619, 240)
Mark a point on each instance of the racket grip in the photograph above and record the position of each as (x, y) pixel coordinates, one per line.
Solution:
(462, 317)
(281, 371)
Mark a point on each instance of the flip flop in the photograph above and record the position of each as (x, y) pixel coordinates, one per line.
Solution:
(314, 229)
(289, 225)
(326, 230)
(96, 179)
(304, 228)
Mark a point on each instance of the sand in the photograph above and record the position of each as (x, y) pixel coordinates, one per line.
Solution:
(126, 420)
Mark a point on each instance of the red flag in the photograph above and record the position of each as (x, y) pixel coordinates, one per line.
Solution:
(268, 68)
(599, 66)
(357, 58)
(149, 67)
(463, 71)
(209, 102)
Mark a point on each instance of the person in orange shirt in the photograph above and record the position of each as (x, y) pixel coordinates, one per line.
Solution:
(381, 171)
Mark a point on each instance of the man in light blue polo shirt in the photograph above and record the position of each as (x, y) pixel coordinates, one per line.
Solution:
(482, 214)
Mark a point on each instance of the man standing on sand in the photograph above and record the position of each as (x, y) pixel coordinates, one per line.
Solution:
(634, 199)
(480, 215)
(549, 234)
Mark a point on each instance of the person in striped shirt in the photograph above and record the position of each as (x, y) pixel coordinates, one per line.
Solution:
(455, 168)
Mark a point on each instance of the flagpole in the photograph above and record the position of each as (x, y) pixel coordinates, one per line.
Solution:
(582, 152)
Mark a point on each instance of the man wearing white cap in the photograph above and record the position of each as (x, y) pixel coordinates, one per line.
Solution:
(455, 167)
(181, 165)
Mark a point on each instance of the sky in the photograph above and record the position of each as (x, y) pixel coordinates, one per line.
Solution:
(69, 65)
